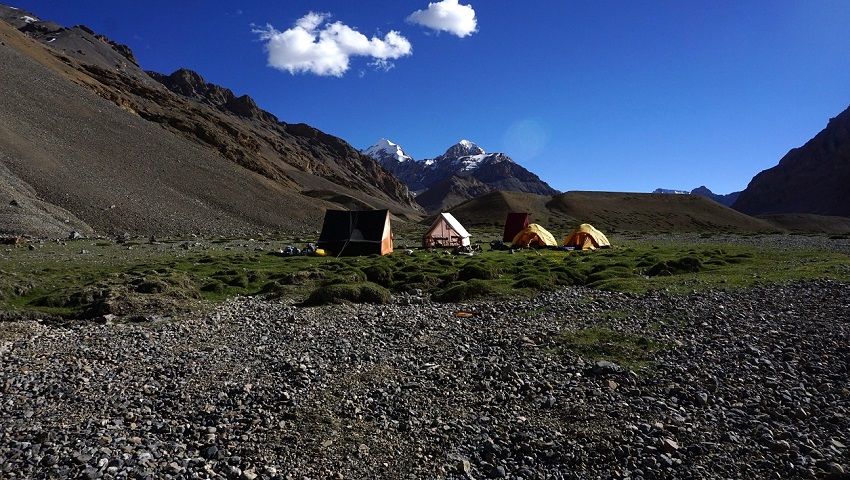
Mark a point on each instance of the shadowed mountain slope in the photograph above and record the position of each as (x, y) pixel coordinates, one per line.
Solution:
(813, 179)
(450, 192)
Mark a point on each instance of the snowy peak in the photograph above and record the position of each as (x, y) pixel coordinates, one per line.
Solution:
(385, 151)
(670, 191)
(465, 160)
(463, 148)
(726, 200)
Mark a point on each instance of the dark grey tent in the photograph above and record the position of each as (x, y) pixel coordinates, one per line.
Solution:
(357, 232)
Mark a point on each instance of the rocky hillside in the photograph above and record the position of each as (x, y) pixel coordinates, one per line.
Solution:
(727, 199)
(90, 141)
(464, 161)
(450, 192)
(814, 178)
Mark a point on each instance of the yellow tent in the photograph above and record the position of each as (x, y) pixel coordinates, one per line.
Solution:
(534, 236)
(585, 237)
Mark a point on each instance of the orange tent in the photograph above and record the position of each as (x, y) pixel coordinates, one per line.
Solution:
(534, 236)
(585, 237)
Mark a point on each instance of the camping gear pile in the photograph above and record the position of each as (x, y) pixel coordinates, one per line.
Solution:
(308, 250)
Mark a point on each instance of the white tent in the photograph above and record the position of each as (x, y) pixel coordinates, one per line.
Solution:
(446, 231)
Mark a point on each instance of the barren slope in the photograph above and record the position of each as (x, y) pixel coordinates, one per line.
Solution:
(611, 211)
(117, 172)
(89, 147)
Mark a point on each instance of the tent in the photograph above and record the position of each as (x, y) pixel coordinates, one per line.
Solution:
(446, 231)
(358, 232)
(585, 237)
(513, 224)
(534, 236)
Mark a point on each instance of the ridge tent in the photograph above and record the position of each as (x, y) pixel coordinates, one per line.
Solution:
(585, 237)
(534, 236)
(357, 232)
(446, 231)
(513, 224)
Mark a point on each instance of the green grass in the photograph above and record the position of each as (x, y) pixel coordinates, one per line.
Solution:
(599, 343)
(81, 277)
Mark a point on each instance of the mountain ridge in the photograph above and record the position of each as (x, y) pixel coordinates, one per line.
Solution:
(726, 200)
(462, 171)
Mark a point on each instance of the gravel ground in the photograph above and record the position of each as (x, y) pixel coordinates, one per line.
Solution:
(748, 384)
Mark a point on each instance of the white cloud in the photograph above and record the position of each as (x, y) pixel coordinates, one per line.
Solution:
(314, 46)
(447, 16)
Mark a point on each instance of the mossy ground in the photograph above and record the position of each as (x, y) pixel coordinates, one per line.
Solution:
(81, 278)
(629, 350)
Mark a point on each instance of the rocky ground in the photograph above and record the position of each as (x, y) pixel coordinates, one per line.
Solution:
(748, 384)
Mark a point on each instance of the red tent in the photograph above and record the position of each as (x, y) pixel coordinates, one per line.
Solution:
(513, 224)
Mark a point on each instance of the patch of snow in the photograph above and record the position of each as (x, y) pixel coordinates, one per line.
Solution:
(29, 19)
(471, 147)
(471, 162)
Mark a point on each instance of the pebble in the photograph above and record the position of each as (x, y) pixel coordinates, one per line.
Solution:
(748, 384)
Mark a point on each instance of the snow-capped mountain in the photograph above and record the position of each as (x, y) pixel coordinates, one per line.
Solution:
(464, 159)
(670, 191)
(727, 199)
(385, 151)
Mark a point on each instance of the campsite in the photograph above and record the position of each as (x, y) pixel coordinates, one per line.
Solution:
(228, 359)
(139, 278)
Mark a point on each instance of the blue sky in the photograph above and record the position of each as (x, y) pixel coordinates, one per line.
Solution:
(605, 95)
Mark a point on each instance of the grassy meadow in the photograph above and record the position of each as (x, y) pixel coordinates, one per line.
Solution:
(88, 278)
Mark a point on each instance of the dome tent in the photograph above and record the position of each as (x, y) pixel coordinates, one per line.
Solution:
(586, 237)
(534, 236)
